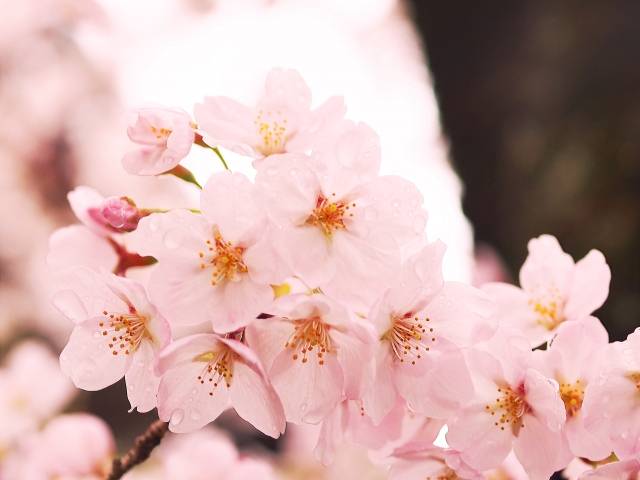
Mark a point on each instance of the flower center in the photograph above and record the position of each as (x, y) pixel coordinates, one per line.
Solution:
(272, 130)
(445, 473)
(329, 215)
(125, 332)
(226, 261)
(309, 334)
(510, 406)
(218, 368)
(161, 132)
(572, 396)
(635, 377)
(549, 307)
(408, 336)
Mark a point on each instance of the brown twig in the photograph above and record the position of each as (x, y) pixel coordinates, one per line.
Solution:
(141, 450)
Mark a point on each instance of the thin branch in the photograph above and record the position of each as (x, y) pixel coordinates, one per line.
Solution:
(141, 450)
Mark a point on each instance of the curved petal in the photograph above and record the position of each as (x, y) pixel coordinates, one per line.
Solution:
(142, 383)
(589, 286)
(537, 448)
(78, 245)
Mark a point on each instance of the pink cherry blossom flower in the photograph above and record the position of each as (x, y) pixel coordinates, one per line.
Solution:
(612, 401)
(199, 375)
(118, 332)
(342, 225)
(574, 360)
(554, 289)
(70, 447)
(422, 460)
(218, 266)
(121, 213)
(203, 454)
(281, 122)
(315, 351)
(32, 389)
(166, 135)
(625, 470)
(420, 321)
(514, 406)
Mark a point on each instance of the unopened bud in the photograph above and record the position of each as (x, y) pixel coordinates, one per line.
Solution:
(121, 213)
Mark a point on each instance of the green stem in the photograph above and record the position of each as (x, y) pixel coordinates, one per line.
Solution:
(221, 158)
(184, 174)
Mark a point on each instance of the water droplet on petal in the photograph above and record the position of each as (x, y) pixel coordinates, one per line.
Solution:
(195, 414)
(173, 238)
(155, 221)
(272, 171)
(176, 416)
(96, 334)
(396, 203)
(303, 407)
(318, 155)
(606, 397)
(442, 297)
(194, 391)
(274, 428)
(293, 171)
(396, 213)
(371, 213)
(131, 386)
(627, 351)
(415, 201)
(367, 154)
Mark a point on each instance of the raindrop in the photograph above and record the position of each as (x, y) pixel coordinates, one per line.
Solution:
(396, 213)
(96, 334)
(272, 171)
(131, 386)
(294, 159)
(396, 203)
(194, 391)
(442, 297)
(293, 171)
(371, 213)
(155, 221)
(627, 351)
(195, 414)
(367, 154)
(303, 407)
(176, 416)
(415, 201)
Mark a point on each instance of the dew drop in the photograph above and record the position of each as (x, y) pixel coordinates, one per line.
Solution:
(441, 297)
(414, 201)
(274, 428)
(419, 224)
(396, 214)
(272, 171)
(131, 386)
(396, 203)
(96, 334)
(606, 397)
(403, 284)
(627, 351)
(371, 213)
(190, 399)
(173, 238)
(408, 188)
(176, 416)
(317, 156)
(194, 391)
(294, 159)
(367, 154)
(155, 221)
(195, 414)
(293, 171)
(303, 407)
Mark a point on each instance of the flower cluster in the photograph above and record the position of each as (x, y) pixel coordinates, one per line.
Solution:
(319, 300)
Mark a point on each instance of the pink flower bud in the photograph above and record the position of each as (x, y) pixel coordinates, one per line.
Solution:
(121, 213)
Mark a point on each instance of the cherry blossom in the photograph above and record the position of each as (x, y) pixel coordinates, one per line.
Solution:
(74, 447)
(422, 460)
(420, 320)
(612, 401)
(574, 360)
(218, 266)
(514, 406)
(166, 135)
(554, 289)
(118, 333)
(199, 375)
(315, 351)
(342, 225)
(281, 122)
(204, 454)
(32, 389)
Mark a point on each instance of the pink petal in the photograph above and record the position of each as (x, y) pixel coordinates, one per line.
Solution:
(85, 203)
(537, 448)
(89, 361)
(317, 124)
(331, 435)
(286, 89)
(77, 245)
(356, 359)
(226, 202)
(227, 123)
(583, 443)
(267, 337)
(347, 161)
(308, 391)
(142, 383)
(545, 264)
(542, 397)
(256, 401)
(381, 397)
(589, 287)
(148, 160)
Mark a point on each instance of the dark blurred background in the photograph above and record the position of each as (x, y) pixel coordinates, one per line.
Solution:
(540, 102)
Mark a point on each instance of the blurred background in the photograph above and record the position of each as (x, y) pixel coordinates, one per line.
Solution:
(534, 105)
